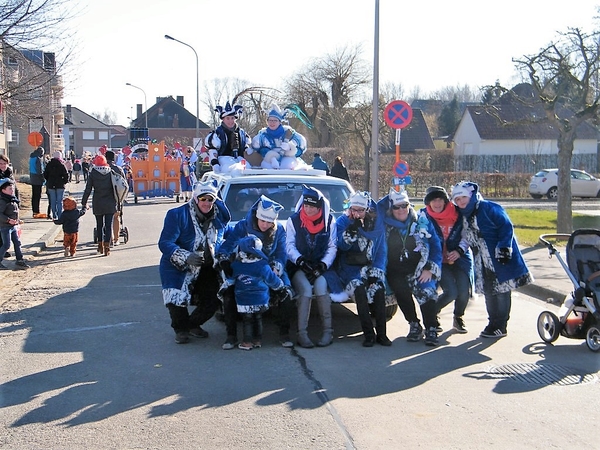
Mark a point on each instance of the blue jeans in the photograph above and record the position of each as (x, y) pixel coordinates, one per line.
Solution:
(10, 234)
(455, 285)
(104, 227)
(498, 307)
(55, 196)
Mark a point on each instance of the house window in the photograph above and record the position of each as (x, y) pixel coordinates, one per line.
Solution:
(103, 135)
(88, 135)
(12, 61)
(15, 138)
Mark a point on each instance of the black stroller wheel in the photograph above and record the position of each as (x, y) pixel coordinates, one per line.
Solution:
(592, 338)
(125, 234)
(548, 326)
(95, 236)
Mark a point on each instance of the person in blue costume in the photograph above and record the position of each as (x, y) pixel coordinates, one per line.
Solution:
(191, 233)
(414, 262)
(260, 221)
(279, 145)
(499, 265)
(226, 144)
(253, 277)
(457, 262)
(360, 264)
(311, 249)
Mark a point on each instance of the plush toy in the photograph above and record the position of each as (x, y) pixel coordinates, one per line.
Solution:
(422, 225)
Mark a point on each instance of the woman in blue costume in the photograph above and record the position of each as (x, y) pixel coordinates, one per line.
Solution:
(360, 264)
(414, 262)
(190, 235)
(260, 221)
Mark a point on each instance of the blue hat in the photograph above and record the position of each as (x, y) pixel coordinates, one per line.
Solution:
(251, 245)
(276, 112)
(5, 182)
(267, 209)
(236, 111)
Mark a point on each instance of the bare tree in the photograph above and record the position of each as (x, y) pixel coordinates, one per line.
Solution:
(563, 78)
(108, 117)
(462, 94)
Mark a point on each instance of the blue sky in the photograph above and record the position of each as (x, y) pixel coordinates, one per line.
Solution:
(429, 44)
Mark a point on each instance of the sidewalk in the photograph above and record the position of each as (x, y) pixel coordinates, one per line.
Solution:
(551, 282)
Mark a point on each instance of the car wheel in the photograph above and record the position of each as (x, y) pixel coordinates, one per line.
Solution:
(552, 193)
(536, 196)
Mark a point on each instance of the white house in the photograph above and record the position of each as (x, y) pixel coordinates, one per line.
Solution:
(516, 138)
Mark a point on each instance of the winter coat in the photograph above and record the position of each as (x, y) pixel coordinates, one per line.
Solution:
(219, 140)
(69, 219)
(9, 209)
(56, 174)
(339, 171)
(36, 167)
(183, 233)
(252, 282)
(320, 164)
(103, 201)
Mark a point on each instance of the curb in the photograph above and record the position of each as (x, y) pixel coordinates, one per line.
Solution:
(44, 242)
(543, 294)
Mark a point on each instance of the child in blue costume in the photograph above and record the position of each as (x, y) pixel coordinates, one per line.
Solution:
(253, 278)
(260, 221)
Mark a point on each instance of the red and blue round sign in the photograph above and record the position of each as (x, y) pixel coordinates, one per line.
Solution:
(401, 169)
(398, 114)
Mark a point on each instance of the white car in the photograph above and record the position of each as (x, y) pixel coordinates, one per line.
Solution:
(545, 182)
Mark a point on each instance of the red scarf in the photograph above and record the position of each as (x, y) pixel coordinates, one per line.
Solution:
(314, 224)
(445, 220)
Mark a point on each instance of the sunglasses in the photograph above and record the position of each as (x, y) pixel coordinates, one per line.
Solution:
(397, 207)
(206, 199)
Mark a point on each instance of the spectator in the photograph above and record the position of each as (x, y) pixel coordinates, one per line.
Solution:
(110, 159)
(77, 169)
(9, 223)
(56, 176)
(69, 165)
(339, 170)
(69, 219)
(320, 163)
(85, 167)
(36, 178)
(499, 265)
(190, 235)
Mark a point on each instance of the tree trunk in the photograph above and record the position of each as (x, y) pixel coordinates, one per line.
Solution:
(564, 211)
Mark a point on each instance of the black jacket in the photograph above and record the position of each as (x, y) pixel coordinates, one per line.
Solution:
(56, 174)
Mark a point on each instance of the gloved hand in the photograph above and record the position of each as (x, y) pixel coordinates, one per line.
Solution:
(304, 265)
(372, 280)
(354, 226)
(225, 266)
(320, 269)
(503, 255)
(195, 259)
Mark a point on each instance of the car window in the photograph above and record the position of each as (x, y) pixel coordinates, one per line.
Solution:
(541, 173)
(239, 198)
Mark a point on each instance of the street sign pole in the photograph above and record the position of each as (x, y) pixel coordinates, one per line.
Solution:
(398, 132)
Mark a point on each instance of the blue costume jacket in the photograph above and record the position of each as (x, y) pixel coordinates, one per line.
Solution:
(252, 282)
(182, 234)
(267, 140)
(221, 144)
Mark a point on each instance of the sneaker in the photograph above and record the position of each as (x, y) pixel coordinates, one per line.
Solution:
(438, 327)
(285, 341)
(66, 252)
(246, 346)
(198, 332)
(22, 264)
(431, 337)
(256, 343)
(383, 340)
(369, 341)
(7, 255)
(492, 333)
(116, 243)
(229, 343)
(458, 325)
(182, 337)
(415, 333)
(3, 267)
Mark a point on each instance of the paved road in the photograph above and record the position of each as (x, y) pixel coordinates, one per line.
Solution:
(89, 360)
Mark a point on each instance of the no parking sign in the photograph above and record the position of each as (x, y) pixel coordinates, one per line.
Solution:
(398, 114)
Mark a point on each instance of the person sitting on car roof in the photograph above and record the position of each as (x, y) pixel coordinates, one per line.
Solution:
(226, 144)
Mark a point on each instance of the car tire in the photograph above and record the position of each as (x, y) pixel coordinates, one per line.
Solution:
(536, 196)
(552, 193)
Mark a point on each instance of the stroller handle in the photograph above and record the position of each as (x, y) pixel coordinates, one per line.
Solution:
(556, 236)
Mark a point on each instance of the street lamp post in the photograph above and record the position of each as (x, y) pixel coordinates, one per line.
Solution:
(145, 103)
(197, 83)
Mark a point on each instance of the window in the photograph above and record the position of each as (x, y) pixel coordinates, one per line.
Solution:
(88, 135)
(103, 135)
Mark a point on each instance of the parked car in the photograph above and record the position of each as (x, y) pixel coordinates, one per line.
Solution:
(545, 182)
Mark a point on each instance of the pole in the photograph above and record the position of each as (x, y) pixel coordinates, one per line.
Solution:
(374, 172)
(197, 83)
(145, 103)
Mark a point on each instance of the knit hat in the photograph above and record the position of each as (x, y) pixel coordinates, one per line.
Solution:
(206, 188)
(57, 155)
(462, 189)
(434, 192)
(69, 204)
(251, 245)
(99, 160)
(4, 182)
(267, 209)
(398, 197)
(276, 112)
(312, 196)
(360, 199)
(235, 111)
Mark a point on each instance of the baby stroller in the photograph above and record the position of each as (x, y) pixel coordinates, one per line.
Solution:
(579, 315)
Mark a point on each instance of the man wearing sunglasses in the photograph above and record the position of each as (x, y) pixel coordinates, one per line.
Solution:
(188, 240)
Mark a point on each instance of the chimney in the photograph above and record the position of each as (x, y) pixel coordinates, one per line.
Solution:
(138, 110)
(68, 109)
(180, 100)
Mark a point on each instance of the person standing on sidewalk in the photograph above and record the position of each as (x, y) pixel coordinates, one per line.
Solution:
(457, 261)
(191, 233)
(9, 223)
(499, 265)
(56, 176)
(110, 159)
(36, 179)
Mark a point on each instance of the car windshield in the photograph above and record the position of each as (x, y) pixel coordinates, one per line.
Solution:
(240, 198)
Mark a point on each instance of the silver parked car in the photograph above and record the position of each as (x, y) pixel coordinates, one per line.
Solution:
(545, 182)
